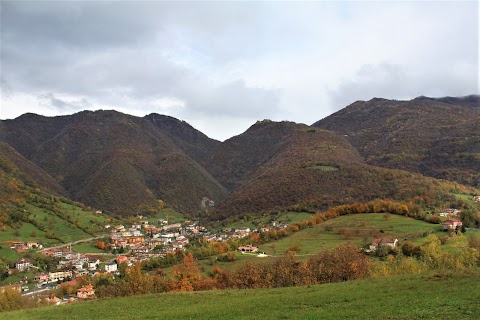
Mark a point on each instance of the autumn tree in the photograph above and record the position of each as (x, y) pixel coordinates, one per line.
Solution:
(136, 281)
(186, 275)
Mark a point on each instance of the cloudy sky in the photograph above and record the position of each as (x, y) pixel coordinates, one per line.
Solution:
(223, 65)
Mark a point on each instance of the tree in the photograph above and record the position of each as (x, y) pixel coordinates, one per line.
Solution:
(136, 281)
(186, 275)
(469, 219)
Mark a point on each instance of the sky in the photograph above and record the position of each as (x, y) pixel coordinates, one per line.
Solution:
(221, 66)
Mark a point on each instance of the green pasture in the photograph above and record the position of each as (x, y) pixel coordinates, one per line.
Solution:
(421, 296)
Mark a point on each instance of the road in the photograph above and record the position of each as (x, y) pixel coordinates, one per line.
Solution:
(77, 242)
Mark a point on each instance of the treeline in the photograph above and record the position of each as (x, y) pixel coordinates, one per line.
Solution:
(463, 253)
(346, 262)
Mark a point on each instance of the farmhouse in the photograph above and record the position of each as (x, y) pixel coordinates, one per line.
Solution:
(451, 224)
(384, 242)
(248, 248)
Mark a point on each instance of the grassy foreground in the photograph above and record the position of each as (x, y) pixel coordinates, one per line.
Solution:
(426, 296)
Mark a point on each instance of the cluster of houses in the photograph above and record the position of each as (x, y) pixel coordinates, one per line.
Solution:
(143, 239)
(69, 259)
(24, 246)
(448, 212)
(476, 199)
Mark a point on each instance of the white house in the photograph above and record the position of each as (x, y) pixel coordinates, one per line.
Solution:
(111, 267)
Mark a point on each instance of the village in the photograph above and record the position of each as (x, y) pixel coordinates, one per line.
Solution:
(142, 241)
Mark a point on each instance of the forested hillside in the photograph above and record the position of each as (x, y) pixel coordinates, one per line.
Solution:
(434, 137)
(376, 149)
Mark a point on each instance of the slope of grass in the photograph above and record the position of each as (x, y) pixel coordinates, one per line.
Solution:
(360, 229)
(427, 296)
(287, 217)
(168, 214)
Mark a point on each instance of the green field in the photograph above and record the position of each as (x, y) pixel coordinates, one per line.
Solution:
(24, 234)
(167, 214)
(288, 217)
(421, 296)
(65, 230)
(87, 248)
(359, 228)
(313, 240)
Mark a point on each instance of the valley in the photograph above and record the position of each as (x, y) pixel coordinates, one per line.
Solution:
(103, 204)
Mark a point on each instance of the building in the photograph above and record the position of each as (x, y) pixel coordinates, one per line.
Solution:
(23, 265)
(61, 275)
(449, 212)
(42, 278)
(34, 245)
(384, 242)
(93, 264)
(122, 259)
(248, 248)
(451, 224)
(111, 267)
(86, 292)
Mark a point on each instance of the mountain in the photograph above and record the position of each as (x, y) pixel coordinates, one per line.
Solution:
(29, 172)
(32, 208)
(435, 137)
(375, 149)
(115, 162)
(313, 169)
(238, 158)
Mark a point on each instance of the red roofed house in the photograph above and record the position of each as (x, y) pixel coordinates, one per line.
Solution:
(121, 259)
(86, 292)
(451, 224)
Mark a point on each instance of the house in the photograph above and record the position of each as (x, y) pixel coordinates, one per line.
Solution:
(111, 267)
(42, 278)
(248, 248)
(18, 246)
(34, 245)
(122, 259)
(140, 249)
(384, 242)
(448, 212)
(93, 264)
(86, 292)
(451, 224)
(23, 265)
(61, 275)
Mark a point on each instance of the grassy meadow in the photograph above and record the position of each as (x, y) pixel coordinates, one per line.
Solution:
(359, 228)
(438, 295)
(168, 214)
(288, 217)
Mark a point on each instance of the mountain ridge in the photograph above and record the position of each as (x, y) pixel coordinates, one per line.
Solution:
(126, 164)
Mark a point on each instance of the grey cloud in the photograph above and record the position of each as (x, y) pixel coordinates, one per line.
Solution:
(233, 59)
(234, 99)
(50, 100)
(394, 81)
